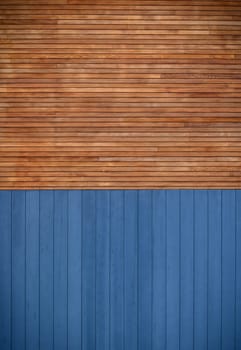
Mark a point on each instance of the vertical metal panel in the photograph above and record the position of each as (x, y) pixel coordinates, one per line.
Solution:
(32, 270)
(18, 290)
(88, 270)
(159, 270)
(130, 269)
(117, 271)
(5, 269)
(228, 269)
(186, 270)
(60, 269)
(145, 305)
(74, 269)
(237, 270)
(102, 269)
(46, 270)
(173, 270)
(120, 269)
(214, 270)
(200, 270)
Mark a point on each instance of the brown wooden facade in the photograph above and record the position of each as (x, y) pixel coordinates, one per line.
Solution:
(120, 94)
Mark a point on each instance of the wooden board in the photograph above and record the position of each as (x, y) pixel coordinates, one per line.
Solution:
(127, 94)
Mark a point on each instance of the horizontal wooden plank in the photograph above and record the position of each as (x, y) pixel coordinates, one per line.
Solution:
(121, 185)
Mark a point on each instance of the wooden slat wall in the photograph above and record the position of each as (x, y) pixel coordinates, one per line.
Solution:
(120, 94)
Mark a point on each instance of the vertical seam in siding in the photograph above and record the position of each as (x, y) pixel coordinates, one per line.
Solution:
(235, 273)
(165, 269)
(95, 240)
(221, 324)
(11, 317)
(53, 192)
(81, 267)
(152, 265)
(39, 223)
(193, 268)
(25, 274)
(138, 345)
(123, 210)
(110, 213)
(109, 252)
(67, 286)
(208, 224)
(180, 262)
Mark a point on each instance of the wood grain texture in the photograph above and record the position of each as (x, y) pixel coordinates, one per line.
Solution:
(127, 94)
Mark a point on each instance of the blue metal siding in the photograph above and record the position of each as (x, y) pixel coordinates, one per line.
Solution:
(118, 270)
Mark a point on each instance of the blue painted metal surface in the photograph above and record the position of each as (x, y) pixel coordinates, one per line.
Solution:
(120, 270)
